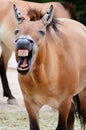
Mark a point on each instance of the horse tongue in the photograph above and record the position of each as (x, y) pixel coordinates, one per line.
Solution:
(24, 63)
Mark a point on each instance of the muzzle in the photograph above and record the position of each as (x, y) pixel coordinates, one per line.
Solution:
(25, 52)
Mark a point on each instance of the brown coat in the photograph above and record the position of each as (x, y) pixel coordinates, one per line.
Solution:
(58, 67)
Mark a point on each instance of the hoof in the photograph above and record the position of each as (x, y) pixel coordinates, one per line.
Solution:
(12, 101)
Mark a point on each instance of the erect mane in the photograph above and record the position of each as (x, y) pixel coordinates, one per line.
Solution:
(34, 14)
(37, 15)
(53, 24)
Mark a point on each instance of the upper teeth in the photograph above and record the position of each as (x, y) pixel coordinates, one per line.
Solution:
(23, 53)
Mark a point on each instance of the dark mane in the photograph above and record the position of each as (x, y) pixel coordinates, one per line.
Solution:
(71, 9)
(34, 14)
(37, 15)
(53, 24)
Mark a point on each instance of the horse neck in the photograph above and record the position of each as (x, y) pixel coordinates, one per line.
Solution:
(38, 73)
(45, 64)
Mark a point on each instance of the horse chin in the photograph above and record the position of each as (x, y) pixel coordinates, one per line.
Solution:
(23, 71)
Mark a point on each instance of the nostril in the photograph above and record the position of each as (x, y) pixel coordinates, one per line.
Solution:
(16, 31)
(16, 42)
(31, 41)
(23, 43)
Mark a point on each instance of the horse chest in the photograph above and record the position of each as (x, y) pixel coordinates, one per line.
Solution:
(43, 94)
(46, 100)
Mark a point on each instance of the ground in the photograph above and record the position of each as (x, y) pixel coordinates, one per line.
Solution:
(14, 86)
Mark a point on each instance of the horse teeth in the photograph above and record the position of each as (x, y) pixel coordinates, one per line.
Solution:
(23, 53)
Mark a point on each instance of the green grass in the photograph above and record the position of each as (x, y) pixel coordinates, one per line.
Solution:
(19, 121)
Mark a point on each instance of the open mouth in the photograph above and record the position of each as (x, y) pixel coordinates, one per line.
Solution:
(24, 61)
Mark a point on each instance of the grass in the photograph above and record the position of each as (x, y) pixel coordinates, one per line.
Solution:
(19, 121)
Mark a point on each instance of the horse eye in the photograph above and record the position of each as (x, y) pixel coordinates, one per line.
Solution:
(41, 32)
(16, 31)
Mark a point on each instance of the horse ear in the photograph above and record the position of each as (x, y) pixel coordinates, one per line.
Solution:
(47, 18)
(18, 15)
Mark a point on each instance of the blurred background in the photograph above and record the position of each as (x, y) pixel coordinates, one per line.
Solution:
(79, 5)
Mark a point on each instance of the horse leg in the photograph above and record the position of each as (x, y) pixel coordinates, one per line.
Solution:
(33, 113)
(6, 89)
(71, 118)
(63, 115)
(4, 80)
(4, 61)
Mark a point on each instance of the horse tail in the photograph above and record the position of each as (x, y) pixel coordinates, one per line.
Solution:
(78, 111)
(77, 104)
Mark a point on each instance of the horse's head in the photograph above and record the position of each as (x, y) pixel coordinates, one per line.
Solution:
(30, 40)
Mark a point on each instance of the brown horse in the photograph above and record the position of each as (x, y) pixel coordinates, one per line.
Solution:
(7, 23)
(79, 105)
(51, 57)
(35, 12)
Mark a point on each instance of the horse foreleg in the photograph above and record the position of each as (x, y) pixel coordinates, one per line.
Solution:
(33, 113)
(63, 115)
